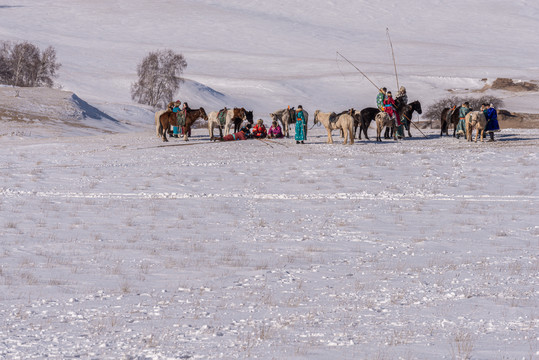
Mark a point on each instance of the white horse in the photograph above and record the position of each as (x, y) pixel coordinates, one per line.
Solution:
(382, 120)
(331, 121)
(475, 120)
(231, 114)
(285, 117)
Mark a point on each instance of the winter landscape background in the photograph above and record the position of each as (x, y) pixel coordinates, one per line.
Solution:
(114, 246)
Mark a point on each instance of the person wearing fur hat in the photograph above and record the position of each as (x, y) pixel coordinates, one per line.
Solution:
(402, 96)
(259, 130)
(300, 125)
(492, 120)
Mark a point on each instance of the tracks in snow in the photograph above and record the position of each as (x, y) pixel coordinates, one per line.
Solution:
(380, 196)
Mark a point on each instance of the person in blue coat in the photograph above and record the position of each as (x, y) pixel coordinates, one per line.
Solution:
(300, 125)
(492, 120)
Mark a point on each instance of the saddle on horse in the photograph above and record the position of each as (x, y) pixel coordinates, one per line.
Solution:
(221, 116)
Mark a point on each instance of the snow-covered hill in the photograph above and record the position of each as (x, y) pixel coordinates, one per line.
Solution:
(265, 55)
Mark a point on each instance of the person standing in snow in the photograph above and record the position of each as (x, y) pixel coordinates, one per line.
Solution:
(492, 120)
(183, 118)
(461, 127)
(380, 98)
(300, 125)
(176, 109)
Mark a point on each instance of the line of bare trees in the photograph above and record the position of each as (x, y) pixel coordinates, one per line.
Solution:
(24, 64)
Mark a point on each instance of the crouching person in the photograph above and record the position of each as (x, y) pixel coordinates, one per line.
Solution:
(259, 130)
(275, 131)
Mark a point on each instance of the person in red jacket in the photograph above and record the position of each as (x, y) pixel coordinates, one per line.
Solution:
(390, 108)
(259, 130)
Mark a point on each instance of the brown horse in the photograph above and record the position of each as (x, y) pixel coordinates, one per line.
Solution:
(449, 116)
(169, 118)
(237, 115)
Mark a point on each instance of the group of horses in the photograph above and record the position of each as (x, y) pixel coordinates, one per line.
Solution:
(346, 121)
(474, 120)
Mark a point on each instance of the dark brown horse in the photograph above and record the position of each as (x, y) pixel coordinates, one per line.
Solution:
(239, 115)
(364, 119)
(449, 116)
(238, 121)
(169, 118)
(407, 112)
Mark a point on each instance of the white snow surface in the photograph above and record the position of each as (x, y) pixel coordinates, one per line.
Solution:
(114, 245)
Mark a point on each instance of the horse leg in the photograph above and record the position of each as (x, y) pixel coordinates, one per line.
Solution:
(330, 138)
(408, 128)
(351, 135)
(165, 132)
(365, 128)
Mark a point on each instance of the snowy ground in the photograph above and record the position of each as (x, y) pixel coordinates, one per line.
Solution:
(114, 247)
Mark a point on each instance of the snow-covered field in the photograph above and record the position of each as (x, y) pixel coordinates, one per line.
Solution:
(113, 246)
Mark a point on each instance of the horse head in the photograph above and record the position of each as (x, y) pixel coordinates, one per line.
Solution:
(248, 116)
(203, 113)
(316, 117)
(418, 107)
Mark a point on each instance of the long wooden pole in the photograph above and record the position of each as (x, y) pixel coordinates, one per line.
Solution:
(393, 54)
(362, 73)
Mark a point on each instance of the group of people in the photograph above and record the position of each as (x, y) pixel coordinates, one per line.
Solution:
(181, 112)
(386, 103)
(490, 114)
(259, 131)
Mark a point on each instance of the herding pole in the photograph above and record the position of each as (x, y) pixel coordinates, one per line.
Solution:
(393, 54)
(362, 73)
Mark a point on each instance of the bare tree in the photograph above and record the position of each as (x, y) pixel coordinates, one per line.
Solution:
(6, 72)
(23, 64)
(434, 111)
(159, 78)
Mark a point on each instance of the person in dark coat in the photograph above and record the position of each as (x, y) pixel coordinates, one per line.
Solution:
(492, 120)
